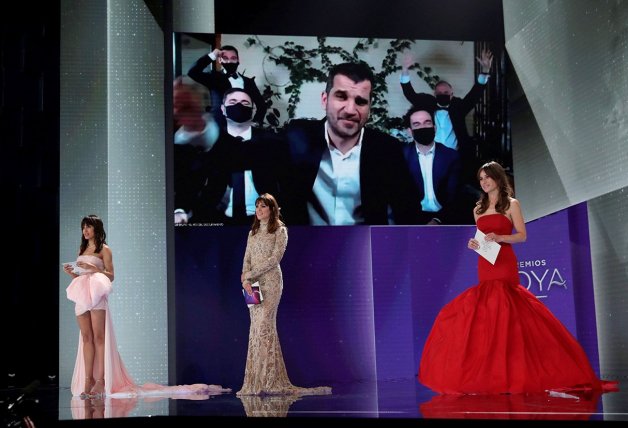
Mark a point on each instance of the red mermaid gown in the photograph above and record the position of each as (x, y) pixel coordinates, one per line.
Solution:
(497, 337)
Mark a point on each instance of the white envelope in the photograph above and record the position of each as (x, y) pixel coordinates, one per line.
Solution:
(75, 269)
(488, 249)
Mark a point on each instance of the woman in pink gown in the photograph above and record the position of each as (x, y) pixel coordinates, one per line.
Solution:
(497, 337)
(99, 370)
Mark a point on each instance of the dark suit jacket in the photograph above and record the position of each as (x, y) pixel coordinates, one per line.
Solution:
(445, 178)
(201, 179)
(218, 83)
(458, 110)
(384, 178)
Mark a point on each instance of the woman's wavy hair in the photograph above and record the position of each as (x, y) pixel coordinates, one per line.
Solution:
(99, 232)
(274, 222)
(497, 173)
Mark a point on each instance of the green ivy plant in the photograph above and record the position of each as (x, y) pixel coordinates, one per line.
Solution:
(299, 62)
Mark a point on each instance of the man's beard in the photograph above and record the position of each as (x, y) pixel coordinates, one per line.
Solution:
(345, 132)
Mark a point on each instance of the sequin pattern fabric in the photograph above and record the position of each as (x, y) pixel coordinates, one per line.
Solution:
(265, 372)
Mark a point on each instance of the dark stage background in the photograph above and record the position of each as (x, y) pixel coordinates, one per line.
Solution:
(30, 132)
(29, 173)
(29, 120)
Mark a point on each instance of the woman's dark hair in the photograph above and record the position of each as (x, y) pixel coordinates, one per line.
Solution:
(99, 233)
(497, 173)
(274, 222)
(406, 117)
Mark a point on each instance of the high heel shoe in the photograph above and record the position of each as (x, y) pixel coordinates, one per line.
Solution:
(98, 395)
(89, 384)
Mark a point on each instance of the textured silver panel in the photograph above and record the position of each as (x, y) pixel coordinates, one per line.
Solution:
(113, 164)
(570, 57)
(193, 16)
(571, 145)
(608, 216)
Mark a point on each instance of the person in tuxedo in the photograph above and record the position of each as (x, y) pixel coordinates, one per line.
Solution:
(434, 167)
(247, 154)
(219, 81)
(450, 111)
(339, 172)
(236, 169)
(450, 120)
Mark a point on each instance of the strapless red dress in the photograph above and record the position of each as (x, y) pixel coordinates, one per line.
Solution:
(497, 337)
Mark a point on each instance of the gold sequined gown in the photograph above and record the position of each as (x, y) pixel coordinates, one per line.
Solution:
(265, 372)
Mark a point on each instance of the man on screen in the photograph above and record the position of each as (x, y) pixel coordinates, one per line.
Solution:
(450, 114)
(245, 166)
(337, 171)
(235, 169)
(434, 167)
(450, 111)
(195, 134)
(218, 82)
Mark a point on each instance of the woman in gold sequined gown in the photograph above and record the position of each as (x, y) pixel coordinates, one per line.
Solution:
(265, 372)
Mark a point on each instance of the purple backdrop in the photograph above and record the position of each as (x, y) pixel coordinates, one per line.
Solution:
(428, 266)
(325, 318)
(359, 302)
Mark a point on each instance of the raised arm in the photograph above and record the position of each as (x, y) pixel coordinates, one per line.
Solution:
(473, 96)
(485, 60)
(406, 62)
(196, 71)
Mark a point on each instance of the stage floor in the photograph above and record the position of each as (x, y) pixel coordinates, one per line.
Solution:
(398, 403)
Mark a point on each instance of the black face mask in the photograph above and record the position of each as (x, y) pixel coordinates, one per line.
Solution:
(231, 67)
(423, 136)
(443, 99)
(239, 113)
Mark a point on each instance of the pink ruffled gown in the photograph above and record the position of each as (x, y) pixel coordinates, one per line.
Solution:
(89, 292)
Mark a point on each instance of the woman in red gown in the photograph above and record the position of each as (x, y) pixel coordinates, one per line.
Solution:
(497, 337)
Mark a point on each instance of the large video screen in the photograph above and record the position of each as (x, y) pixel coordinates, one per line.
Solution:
(357, 302)
(335, 149)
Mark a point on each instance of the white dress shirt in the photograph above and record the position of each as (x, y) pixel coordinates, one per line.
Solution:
(250, 194)
(429, 202)
(336, 190)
